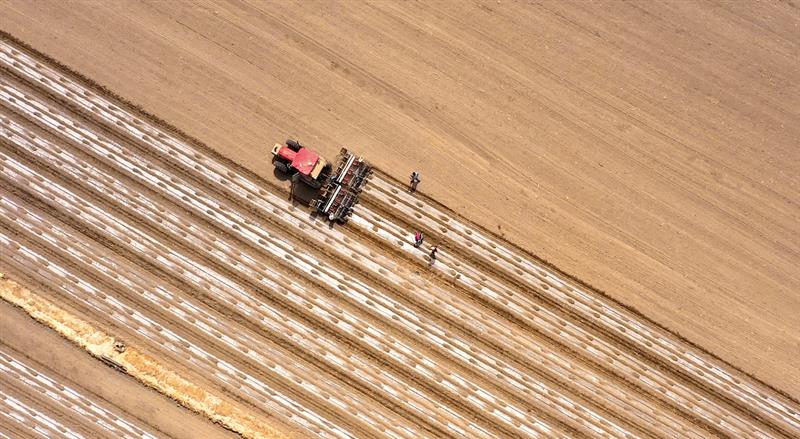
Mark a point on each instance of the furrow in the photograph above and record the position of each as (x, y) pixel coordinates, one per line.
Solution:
(33, 417)
(587, 326)
(11, 429)
(91, 411)
(102, 307)
(46, 406)
(66, 129)
(65, 400)
(519, 268)
(181, 265)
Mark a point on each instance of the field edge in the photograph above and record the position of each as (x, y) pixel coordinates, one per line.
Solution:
(139, 365)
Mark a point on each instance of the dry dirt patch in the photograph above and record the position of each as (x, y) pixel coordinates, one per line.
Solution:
(141, 366)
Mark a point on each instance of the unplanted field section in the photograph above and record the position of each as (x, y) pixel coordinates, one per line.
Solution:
(36, 402)
(338, 331)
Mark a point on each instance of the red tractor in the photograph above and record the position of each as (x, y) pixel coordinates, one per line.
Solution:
(301, 163)
(335, 192)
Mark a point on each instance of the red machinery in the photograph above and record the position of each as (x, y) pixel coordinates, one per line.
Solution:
(340, 194)
(293, 158)
(339, 189)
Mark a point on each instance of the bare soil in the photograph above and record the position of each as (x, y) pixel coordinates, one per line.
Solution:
(651, 150)
(38, 346)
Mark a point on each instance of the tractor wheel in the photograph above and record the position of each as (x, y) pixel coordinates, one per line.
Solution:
(282, 167)
(294, 145)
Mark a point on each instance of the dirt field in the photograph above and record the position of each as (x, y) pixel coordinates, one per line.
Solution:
(42, 350)
(650, 150)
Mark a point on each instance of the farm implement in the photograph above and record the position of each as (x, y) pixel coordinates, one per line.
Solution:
(337, 186)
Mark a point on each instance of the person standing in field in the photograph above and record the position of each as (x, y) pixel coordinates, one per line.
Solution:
(415, 179)
(434, 250)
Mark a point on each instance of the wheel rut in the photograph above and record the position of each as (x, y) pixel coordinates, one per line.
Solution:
(144, 221)
(345, 331)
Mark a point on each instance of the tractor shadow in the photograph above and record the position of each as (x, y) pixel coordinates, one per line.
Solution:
(303, 194)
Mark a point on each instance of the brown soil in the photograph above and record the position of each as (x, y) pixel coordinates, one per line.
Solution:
(650, 150)
(37, 345)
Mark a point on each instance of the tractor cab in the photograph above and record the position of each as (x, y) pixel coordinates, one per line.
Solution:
(294, 158)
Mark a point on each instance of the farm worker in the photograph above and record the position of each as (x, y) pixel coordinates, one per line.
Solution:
(418, 239)
(434, 250)
(414, 181)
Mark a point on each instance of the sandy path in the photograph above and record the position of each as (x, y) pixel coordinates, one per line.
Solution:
(338, 331)
(27, 342)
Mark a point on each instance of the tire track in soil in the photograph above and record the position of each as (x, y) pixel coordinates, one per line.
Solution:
(225, 192)
(165, 321)
(137, 221)
(547, 279)
(365, 79)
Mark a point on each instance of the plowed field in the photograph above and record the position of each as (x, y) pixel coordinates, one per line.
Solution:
(329, 331)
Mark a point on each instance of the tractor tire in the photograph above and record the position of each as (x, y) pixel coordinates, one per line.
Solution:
(282, 167)
(294, 145)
